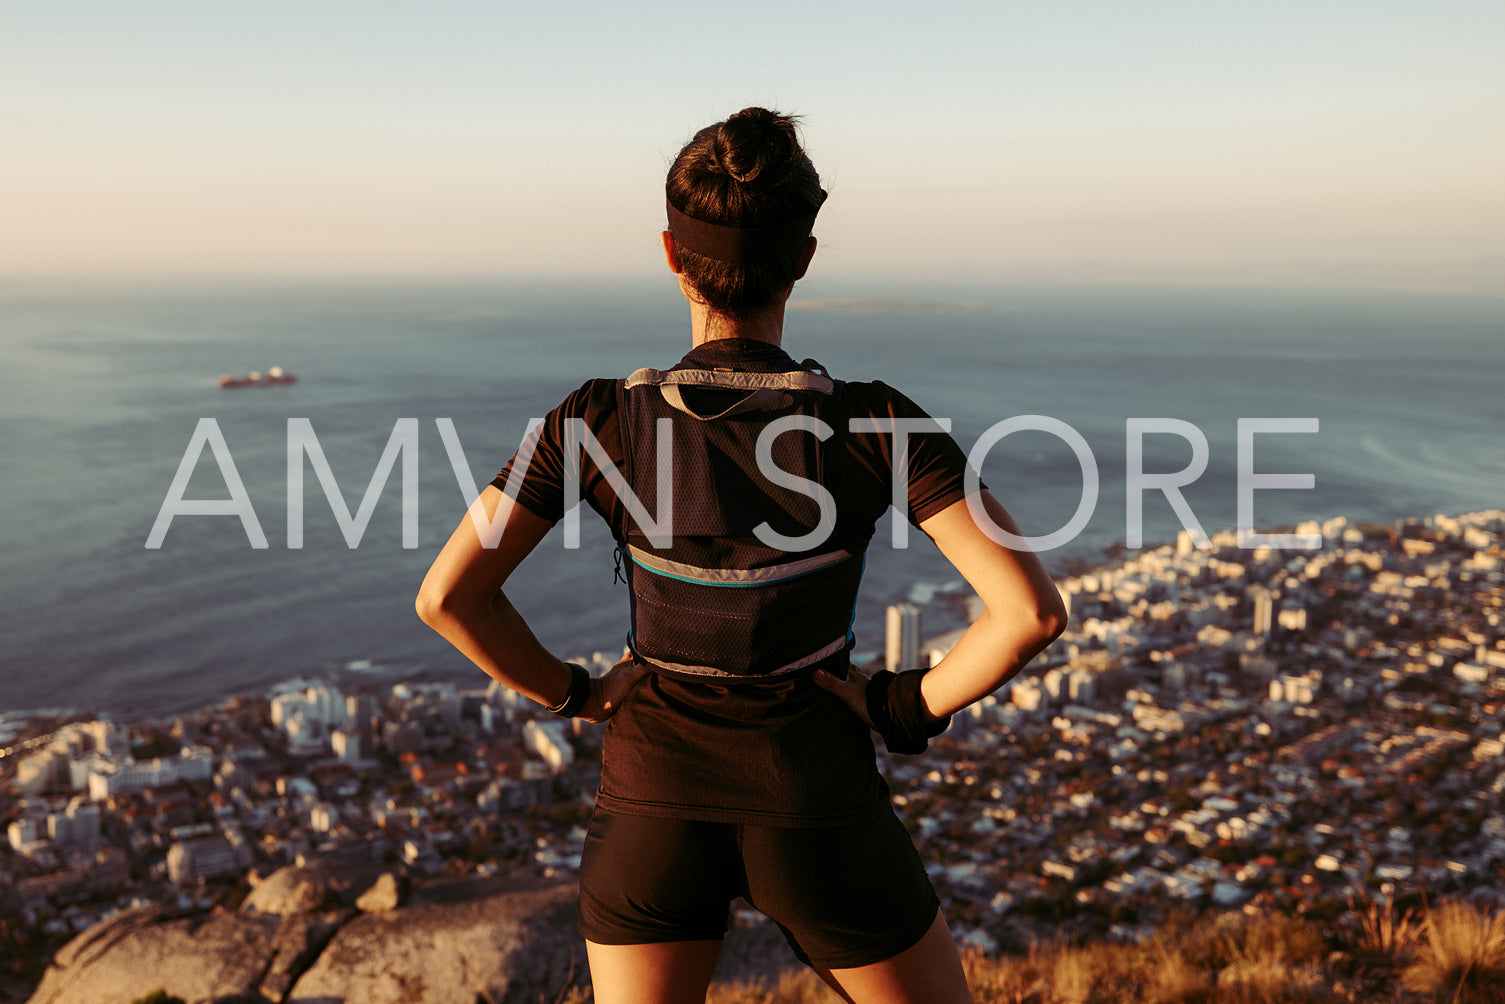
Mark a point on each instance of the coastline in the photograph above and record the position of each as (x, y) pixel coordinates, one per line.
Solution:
(1113, 555)
(1244, 704)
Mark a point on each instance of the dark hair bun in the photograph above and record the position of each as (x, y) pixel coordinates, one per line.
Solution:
(754, 142)
(748, 171)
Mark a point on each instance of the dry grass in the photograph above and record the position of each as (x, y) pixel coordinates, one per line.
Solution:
(1267, 981)
(1386, 935)
(1453, 955)
(1170, 979)
(1071, 978)
(1462, 960)
(1009, 980)
(1237, 939)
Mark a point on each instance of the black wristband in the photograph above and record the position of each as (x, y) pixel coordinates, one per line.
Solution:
(877, 705)
(577, 695)
(898, 713)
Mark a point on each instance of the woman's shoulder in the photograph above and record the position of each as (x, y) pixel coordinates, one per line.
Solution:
(861, 398)
(591, 398)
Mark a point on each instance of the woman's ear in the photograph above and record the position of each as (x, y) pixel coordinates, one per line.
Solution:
(671, 256)
(801, 266)
(806, 254)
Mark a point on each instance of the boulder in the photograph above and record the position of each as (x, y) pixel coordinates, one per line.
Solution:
(453, 945)
(383, 897)
(489, 939)
(302, 889)
(197, 958)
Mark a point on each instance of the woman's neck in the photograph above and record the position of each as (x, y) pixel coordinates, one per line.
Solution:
(766, 325)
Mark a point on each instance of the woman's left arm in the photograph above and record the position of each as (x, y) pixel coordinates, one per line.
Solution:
(462, 599)
(1022, 614)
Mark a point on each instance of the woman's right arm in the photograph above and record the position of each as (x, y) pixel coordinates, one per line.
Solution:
(462, 599)
(1022, 610)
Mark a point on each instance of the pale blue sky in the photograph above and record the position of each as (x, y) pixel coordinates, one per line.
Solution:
(975, 139)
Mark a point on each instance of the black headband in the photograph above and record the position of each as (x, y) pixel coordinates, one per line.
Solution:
(740, 245)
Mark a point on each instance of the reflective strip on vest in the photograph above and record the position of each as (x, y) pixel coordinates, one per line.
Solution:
(734, 576)
(721, 674)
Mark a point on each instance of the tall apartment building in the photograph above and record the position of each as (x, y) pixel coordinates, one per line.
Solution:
(903, 649)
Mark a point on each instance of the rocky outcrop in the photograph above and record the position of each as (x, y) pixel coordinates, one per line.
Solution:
(289, 892)
(299, 938)
(383, 897)
(198, 958)
(471, 946)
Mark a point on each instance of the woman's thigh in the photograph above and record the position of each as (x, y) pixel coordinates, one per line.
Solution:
(666, 973)
(854, 902)
(928, 972)
(654, 900)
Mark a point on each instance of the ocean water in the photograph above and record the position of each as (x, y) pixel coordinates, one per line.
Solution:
(103, 386)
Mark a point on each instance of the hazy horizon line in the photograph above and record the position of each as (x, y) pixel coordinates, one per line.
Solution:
(1475, 276)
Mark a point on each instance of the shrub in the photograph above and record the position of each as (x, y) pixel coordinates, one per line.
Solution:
(1462, 960)
(1008, 980)
(1270, 981)
(1238, 938)
(1071, 977)
(1170, 979)
(1386, 935)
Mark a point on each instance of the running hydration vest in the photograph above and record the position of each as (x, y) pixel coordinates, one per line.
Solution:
(718, 602)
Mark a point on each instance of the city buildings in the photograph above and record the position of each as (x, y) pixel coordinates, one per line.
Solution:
(902, 650)
(1191, 742)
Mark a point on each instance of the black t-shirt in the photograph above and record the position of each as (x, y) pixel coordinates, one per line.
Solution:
(778, 751)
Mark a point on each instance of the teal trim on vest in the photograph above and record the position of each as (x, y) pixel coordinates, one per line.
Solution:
(736, 577)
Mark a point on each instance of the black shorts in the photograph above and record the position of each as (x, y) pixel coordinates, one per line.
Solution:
(844, 896)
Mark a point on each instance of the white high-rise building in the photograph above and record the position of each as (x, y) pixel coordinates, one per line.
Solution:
(903, 649)
(1054, 683)
(78, 824)
(204, 857)
(1264, 609)
(26, 831)
(323, 817)
(548, 741)
(39, 771)
(191, 764)
(308, 715)
(108, 737)
(346, 745)
(1026, 694)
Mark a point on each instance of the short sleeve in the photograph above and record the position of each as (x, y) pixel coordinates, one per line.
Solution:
(937, 466)
(535, 476)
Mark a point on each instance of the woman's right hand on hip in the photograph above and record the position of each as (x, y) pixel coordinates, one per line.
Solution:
(610, 689)
(852, 690)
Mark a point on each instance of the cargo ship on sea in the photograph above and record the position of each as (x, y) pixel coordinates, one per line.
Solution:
(271, 378)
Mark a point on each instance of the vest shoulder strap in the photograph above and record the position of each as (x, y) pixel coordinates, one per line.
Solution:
(733, 380)
(764, 390)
